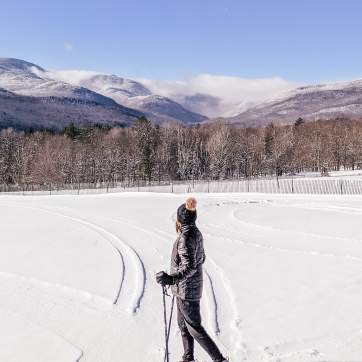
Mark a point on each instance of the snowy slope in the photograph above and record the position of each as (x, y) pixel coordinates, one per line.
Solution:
(328, 101)
(28, 79)
(282, 277)
(23, 112)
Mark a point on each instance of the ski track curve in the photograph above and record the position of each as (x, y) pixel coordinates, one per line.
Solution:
(270, 228)
(85, 297)
(301, 349)
(239, 347)
(211, 303)
(242, 240)
(135, 288)
(90, 329)
(48, 331)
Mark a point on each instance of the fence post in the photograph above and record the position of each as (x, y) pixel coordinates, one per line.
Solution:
(208, 185)
(171, 186)
(341, 184)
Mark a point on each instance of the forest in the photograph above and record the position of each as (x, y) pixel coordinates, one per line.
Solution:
(148, 153)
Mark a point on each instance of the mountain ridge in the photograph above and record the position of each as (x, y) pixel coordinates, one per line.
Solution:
(100, 98)
(135, 95)
(321, 101)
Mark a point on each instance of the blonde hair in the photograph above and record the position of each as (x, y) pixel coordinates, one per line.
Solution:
(191, 204)
(178, 227)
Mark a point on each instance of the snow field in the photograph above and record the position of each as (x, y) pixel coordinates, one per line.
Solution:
(282, 279)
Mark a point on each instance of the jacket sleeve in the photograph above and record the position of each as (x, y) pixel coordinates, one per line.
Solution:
(186, 253)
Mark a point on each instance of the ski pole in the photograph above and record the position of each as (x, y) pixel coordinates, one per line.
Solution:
(165, 320)
(169, 325)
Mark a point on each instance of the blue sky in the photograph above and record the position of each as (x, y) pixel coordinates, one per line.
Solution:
(300, 41)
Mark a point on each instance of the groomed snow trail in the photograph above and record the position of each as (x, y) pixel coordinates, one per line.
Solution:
(282, 277)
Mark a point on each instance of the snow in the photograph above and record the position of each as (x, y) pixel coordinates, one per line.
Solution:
(310, 89)
(282, 276)
(28, 79)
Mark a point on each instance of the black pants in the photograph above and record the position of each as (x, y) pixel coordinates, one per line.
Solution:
(189, 322)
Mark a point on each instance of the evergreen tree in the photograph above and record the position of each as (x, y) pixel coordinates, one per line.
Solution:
(71, 131)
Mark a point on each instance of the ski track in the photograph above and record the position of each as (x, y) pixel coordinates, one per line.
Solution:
(48, 331)
(135, 288)
(89, 299)
(90, 329)
(235, 319)
(270, 247)
(211, 303)
(286, 349)
(77, 302)
(308, 234)
(331, 208)
(215, 273)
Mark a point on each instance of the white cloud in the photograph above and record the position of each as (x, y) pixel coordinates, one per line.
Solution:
(234, 93)
(211, 95)
(75, 77)
(68, 47)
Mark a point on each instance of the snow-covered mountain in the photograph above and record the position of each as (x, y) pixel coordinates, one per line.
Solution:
(24, 112)
(131, 94)
(328, 101)
(94, 98)
(28, 79)
(28, 98)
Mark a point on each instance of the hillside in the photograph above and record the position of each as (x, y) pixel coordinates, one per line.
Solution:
(312, 102)
(24, 112)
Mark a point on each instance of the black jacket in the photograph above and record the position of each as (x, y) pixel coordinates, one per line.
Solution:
(186, 263)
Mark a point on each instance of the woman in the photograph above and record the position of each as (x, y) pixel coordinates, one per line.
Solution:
(186, 279)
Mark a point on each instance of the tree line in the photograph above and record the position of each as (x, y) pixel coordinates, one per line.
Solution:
(151, 153)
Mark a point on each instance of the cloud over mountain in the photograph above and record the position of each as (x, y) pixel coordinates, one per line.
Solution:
(207, 94)
(218, 95)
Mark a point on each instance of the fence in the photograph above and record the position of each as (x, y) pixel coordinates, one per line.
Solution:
(284, 186)
(317, 185)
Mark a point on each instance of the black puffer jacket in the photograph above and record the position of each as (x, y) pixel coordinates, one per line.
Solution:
(186, 262)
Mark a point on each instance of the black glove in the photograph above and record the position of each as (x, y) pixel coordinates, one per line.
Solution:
(164, 279)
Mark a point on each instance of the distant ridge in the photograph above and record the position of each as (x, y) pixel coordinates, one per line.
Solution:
(325, 101)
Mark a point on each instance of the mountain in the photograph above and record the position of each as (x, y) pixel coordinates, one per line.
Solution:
(329, 101)
(24, 112)
(29, 99)
(125, 98)
(25, 78)
(133, 94)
